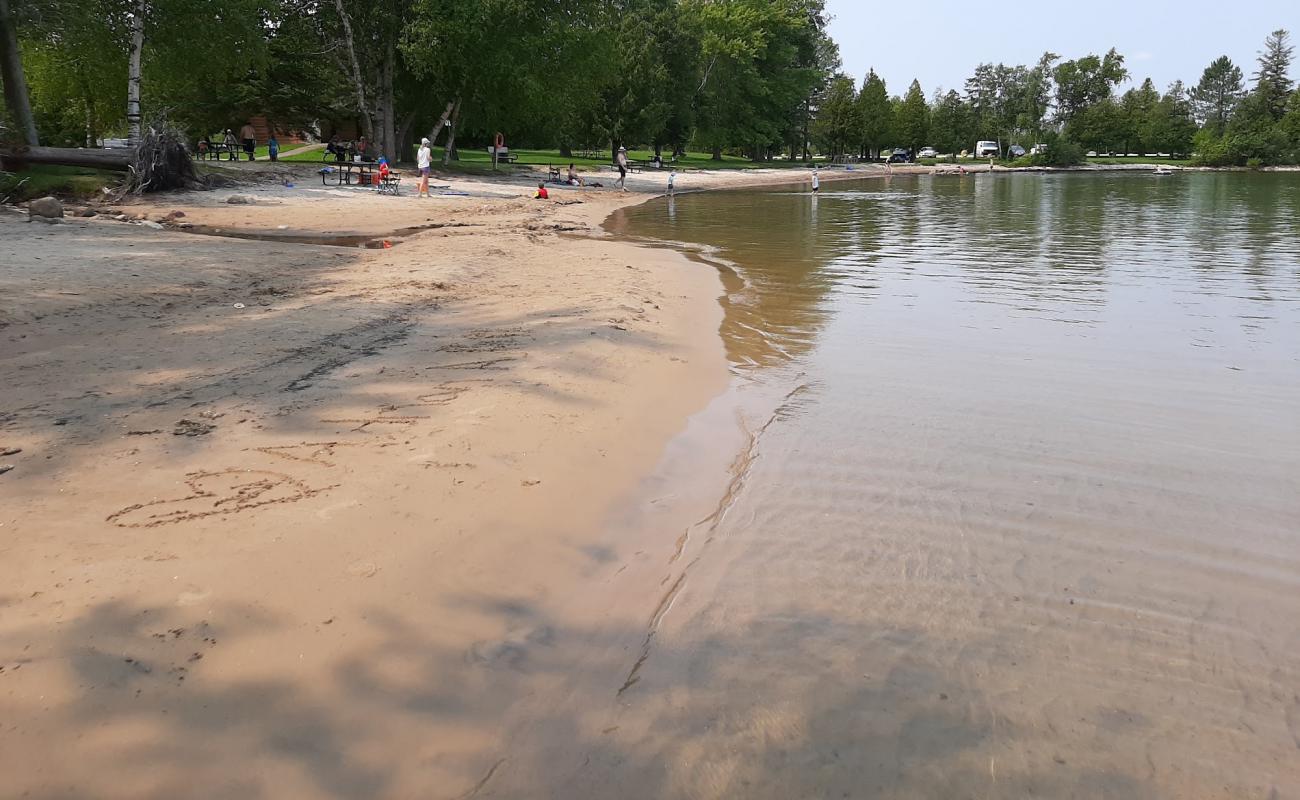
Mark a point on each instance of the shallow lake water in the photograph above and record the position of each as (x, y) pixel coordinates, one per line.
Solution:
(1021, 512)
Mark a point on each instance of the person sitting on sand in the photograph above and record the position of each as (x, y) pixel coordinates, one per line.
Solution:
(542, 194)
(573, 177)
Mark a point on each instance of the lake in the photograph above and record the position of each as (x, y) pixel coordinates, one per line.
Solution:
(1020, 510)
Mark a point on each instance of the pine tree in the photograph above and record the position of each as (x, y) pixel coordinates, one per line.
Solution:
(874, 114)
(1218, 93)
(912, 121)
(1272, 81)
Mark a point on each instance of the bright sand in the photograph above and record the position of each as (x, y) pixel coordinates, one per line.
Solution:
(312, 547)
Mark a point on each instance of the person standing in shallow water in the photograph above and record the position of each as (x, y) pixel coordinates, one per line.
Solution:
(816, 182)
(620, 161)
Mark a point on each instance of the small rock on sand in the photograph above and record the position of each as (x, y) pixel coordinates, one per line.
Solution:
(148, 223)
(188, 427)
(5, 468)
(47, 207)
(239, 200)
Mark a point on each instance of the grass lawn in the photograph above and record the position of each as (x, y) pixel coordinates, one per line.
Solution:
(262, 154)
(1175, 162)
(40, 180)
(475, 160)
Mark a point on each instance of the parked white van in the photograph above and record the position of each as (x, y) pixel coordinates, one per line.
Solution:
(986, 149)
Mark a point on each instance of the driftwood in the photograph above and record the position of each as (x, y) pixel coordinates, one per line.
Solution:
(160, 161)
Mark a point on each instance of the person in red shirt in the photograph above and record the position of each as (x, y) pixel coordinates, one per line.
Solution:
(541, 192)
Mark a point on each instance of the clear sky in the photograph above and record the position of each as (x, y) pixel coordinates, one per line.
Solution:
(941, 41)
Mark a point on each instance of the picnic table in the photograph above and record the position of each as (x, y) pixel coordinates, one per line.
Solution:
(343, 172)
(365, 171)
(591, 153)
(215, 150)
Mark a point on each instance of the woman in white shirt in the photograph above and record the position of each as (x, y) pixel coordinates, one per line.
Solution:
(424, 160)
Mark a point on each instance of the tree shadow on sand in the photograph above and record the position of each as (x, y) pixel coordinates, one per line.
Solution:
(125, 701)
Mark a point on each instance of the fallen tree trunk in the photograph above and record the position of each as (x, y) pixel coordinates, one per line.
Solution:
(67, 156)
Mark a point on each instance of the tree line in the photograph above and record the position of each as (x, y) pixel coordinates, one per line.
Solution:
(755, 78)
(1073, 107)
(736, 76)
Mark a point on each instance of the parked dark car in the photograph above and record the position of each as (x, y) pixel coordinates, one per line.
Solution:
(901, 156)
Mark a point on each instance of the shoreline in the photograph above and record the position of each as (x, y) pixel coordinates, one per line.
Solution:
(364, 477)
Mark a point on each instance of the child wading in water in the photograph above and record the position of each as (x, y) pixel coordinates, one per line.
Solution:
(817, 182)
(672, 182)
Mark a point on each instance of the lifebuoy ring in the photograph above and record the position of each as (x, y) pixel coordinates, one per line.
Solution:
(501, 140)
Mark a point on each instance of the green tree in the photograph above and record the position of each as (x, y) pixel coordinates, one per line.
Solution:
(1272, 79)
(1254, 135)
(1217, 94)
(875, 115)
(1170, 126)
(950, 123)
(760, 67)
(1290, 128)
(912, 120)
(1008, 101)
(837, 127)
(1099, 126)
(1136, 107)
(1086, 81)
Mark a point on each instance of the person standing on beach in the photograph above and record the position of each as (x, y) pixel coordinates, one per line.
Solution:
(424, 160)
(620, 161)
(817, 181)
(231, 145)
(249, 135)
(273, 148)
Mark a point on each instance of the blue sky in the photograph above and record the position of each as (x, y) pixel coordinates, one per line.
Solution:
(940, 42)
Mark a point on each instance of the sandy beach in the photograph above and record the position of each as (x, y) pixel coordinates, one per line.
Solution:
(300, 520)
